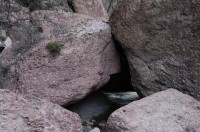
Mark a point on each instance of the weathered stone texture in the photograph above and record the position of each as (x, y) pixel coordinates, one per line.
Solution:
(166, 111)
(30, 114)
(85, 62)
(161, 39)
(93, 8)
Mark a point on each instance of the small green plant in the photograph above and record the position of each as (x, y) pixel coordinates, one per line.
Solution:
(53, 47)
(2, 38)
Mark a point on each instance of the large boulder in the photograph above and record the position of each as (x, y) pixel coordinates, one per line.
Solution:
(30, 114)
(93, 8)
(166, 111)
(161, 40)
(85, 62)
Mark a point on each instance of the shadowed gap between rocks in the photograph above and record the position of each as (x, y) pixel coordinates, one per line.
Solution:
(95, 109)
(71, 5)
(120, 82)
(1, 49)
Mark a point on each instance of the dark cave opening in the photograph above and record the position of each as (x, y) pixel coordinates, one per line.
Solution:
(93, 110)
(71, 6)
(120, 82)
(1, 48)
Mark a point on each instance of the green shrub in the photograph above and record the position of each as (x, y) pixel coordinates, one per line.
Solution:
(53, 47)
(2, 38)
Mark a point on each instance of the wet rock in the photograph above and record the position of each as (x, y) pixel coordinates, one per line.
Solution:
(93, 8)
(122, 98)
(85, 62)
(30, 114)
(94, 105)
(161, 41)
(87, 128)
(164, 111)
(93, 110)
(95, 130)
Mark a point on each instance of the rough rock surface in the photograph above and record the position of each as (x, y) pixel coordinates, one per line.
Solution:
(93, 8)
(110, 5)
(86, 59)
(15, 26)
(166, 111)
(30, 114)
(45, 4)
(12, 15)
(55, 5)
(5, 41)
(161, 39)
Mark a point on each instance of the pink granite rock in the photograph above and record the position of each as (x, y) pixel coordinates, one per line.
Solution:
(30, 114)
(167, 111)
(12, 13)
(93, 8)
(161, 40)
(86, 59)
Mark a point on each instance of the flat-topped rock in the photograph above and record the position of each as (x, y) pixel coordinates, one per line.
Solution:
(166, 111)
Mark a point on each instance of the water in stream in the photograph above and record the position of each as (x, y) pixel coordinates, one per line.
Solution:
(95, 109)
